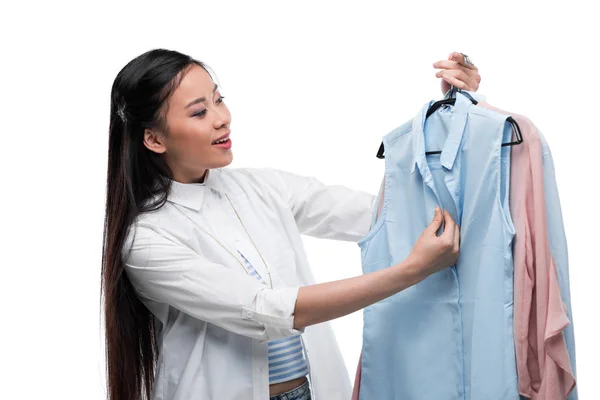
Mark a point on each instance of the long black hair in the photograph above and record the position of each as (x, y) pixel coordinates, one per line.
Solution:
(135, 174)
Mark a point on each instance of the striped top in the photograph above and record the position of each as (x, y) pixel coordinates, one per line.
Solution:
(286, 356)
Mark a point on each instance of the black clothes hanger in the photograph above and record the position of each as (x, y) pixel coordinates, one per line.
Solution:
(451, 100)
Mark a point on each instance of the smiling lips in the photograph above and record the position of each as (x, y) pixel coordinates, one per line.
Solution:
(224, 142)
(222, 139)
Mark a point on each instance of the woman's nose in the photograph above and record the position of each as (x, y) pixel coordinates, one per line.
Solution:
(222, 117)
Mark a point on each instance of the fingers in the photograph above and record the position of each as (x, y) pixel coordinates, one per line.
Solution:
(436, 222)
(459, 79)
(449, 226)
(451, 64)
(454, 67)
(457, 72)
(463, 77)
(460, 58)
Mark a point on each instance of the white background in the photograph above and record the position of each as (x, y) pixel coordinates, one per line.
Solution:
(312, 89)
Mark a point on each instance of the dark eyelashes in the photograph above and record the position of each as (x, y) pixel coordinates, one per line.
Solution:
(201, 113)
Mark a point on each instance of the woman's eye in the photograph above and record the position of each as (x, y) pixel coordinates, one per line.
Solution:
(203, 112)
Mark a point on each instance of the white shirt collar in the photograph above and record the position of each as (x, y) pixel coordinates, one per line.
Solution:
(191, 195)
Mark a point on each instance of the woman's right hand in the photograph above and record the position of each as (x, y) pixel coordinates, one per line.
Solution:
(432, 253)
(326, 301)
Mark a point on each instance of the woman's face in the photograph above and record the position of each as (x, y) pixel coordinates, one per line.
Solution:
(196, 117)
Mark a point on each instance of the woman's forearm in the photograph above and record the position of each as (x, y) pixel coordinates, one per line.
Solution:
(327, 301)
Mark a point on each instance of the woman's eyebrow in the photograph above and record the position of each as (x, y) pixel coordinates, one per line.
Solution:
(200, 99)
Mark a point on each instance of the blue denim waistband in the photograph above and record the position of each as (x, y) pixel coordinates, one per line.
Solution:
(302, 392)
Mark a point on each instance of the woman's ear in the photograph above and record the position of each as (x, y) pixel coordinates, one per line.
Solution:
(154, 141)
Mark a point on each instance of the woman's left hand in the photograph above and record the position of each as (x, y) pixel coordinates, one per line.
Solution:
(458, 73)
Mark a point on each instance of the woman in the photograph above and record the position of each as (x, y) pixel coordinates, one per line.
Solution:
(207, 289)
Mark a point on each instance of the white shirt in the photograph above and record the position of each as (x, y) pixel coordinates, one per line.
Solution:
(213, 320)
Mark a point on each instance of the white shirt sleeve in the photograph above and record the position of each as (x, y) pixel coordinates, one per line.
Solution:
(163, 270)
(323, 211)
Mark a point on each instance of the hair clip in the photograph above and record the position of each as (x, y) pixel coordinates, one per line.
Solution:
(121, 113)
